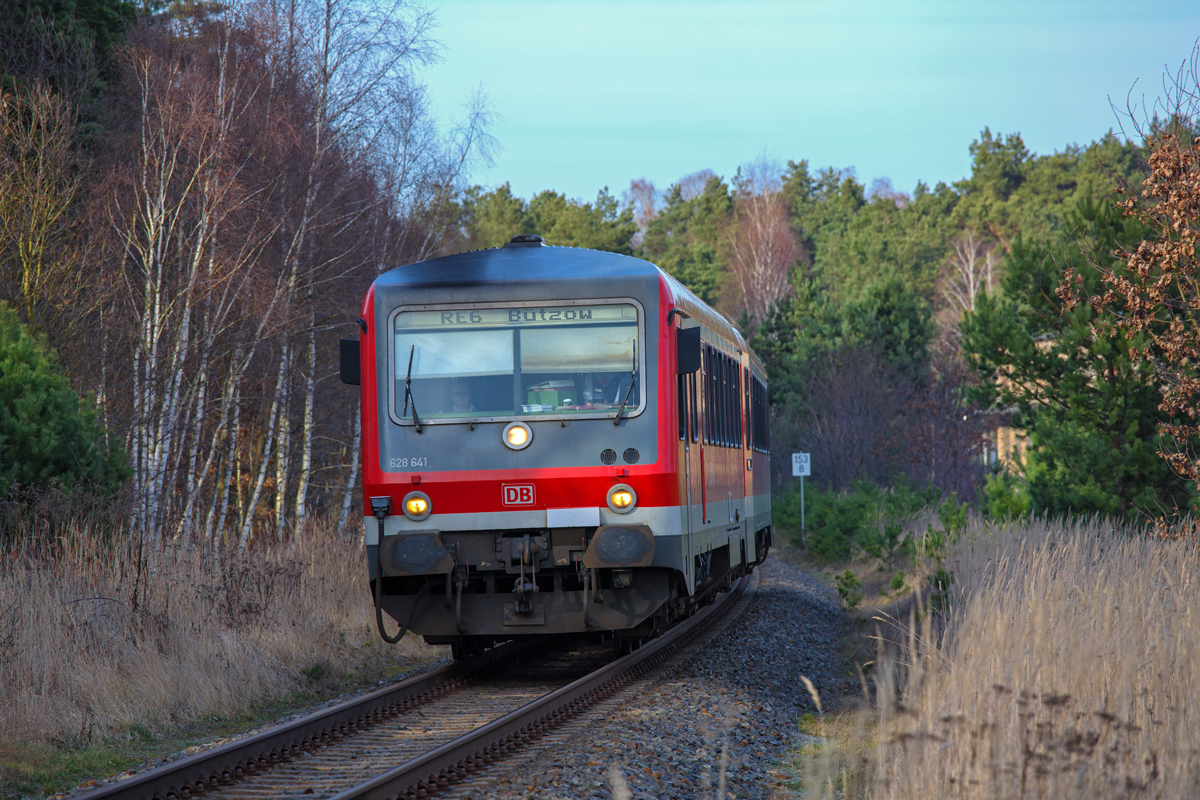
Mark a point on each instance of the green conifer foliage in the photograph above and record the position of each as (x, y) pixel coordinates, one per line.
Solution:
(1090, 412)
(498, 215)
(892, 318)
(686, 238)
(495, 217)
(45, 438)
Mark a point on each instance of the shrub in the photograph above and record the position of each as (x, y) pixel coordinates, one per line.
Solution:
(866, 516)
(45, 437)
(1005, 497)
(885, 542)
(849, 588)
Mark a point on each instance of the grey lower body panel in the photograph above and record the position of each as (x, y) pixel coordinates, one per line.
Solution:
(631, 573)
(551, 612)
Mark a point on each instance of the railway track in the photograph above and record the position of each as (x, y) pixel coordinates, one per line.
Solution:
(419, 736)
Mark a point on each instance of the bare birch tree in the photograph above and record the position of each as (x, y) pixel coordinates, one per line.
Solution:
(693, 185)
(643, 198)
(276, 158)
(970, 270)
(355, 60)
(172, 210)
(764, 248)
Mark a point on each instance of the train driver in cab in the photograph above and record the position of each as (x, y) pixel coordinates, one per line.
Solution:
(460, 398)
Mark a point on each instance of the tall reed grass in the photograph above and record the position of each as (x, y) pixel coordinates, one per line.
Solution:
(101, 632)
(1068, 666)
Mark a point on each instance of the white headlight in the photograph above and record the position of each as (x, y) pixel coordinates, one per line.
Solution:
(622, 499)
(417, 506)
(517, 436)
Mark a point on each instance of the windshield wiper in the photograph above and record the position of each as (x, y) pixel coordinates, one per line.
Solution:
(408, 392)
(629, 391)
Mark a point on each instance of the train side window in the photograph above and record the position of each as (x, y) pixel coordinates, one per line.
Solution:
(707, 378)
(748, 389)
(694, 403)
(720, 404)
(752, 412)
(735, 402)
(714, 391)
(766, 421)
(681, 405)
(722, 439)
(711, 400)
(758, 415)
(736, 397)
(731, 400)
(744, 395)
(734, 405)
(762, 416)
(749, 410)
(745, 414)
(755, 413)
(731, 404)
(719, 391)
(726, 385)
(760, 410)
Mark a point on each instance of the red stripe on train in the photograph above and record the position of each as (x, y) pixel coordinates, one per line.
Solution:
(482, 492)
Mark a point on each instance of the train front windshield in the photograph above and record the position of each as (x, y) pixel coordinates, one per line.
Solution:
(477, 363)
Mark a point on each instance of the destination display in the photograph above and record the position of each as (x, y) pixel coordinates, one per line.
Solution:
(516, 317)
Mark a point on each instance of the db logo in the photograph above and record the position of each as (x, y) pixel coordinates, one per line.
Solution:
(518, 494)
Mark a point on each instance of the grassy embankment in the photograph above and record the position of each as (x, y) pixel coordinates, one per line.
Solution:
(110, 657)
(1065, 663)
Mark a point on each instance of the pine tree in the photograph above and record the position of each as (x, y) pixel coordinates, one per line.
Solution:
(688, 239)
(45, 438)
(1089, 410)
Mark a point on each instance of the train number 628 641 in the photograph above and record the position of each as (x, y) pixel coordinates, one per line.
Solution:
(400, 463)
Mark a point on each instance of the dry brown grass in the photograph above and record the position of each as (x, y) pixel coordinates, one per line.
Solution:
(98, 636)
(1069, 667)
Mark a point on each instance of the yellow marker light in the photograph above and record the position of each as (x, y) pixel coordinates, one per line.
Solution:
(517, 436)
(622, 499)
(417, 506)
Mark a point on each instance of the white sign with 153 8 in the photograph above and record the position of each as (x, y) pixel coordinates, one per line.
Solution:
(801, 465)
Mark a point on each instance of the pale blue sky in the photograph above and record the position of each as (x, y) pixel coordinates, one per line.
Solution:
(591, 93)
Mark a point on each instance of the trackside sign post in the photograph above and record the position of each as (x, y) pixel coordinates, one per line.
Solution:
(801, 468)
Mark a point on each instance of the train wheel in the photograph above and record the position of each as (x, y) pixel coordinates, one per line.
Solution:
(466, 647)
(624, 645)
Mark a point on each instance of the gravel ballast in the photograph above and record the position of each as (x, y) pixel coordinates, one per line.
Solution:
(721, 717)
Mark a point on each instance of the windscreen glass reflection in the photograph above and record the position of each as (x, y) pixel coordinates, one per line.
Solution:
(502, 362)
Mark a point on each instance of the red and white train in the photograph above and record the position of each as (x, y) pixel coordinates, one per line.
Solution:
(555, 441)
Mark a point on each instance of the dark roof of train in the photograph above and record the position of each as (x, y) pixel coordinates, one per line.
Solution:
(518, 265)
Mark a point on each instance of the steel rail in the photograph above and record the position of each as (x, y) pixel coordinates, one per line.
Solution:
(454, 761)
(255, 754)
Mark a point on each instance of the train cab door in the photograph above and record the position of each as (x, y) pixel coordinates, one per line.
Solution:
(747, 465)
(688, 359)
(733, 459)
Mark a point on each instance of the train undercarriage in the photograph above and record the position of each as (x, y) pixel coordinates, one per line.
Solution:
(473, 589)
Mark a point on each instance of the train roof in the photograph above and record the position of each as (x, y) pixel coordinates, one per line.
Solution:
(511, 265)
(530, 264)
